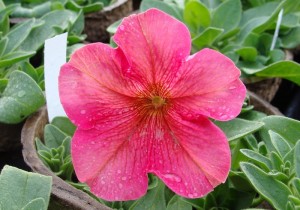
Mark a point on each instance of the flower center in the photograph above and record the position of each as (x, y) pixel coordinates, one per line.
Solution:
(158, 102)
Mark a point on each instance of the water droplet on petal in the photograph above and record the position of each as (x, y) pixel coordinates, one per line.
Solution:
(122, 27)
(82, 111)
(119, 171)
(102, 182)
(190, 195)
(120, 185)
(223, 117)
(172, 177)
(124, 178)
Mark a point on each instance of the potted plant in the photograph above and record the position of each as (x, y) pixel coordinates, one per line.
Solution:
(104, 105)
(97, 15)
(21, 67)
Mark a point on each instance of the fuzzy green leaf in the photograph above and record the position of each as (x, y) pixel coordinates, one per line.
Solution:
(288, 128)
(58, 18)
(258, 159)
(289, 70)
(297, 159)
(291, 40)
(247, 53)
(196, 14)
(65, 125)
(24, 190)
(21, 97)
(53, 136)
(35, 204)
(19, 33)
(227, 15)
(281, 145)
(154, 199)
(171, 9)
(237, 128)
(207, 37)
(178, 203)
(267, 186)
(14, 57)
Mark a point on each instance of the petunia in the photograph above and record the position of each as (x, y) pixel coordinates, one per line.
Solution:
(144, 107)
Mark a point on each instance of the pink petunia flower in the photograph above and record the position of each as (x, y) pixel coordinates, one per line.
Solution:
(143, 107)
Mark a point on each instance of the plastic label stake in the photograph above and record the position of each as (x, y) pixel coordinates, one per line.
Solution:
(55, 56)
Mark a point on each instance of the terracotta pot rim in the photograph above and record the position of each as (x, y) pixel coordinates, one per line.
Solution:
(61, 190)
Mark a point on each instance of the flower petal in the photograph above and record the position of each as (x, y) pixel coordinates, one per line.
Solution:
(179, 152)
(209, 85)
(91, 84)
(155, 45)
(110, 164)
(192, 157)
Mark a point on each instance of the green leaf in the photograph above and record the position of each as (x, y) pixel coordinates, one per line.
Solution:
(19, 33)
(178, 203)
(3, 84)
(289, 157)
(227, 15)
(207, 37)
(284, 69)
(154, 199)
(20, 189)
(67, 146)
(78, 24)
(252, 115)
(21, 97)
(239, 181)
(237, 128)
(53, 136)
(91, 7)
(64, 124)
(288, 128)
(36, 38)
(276, 55)
(291, 40)
(30, 70)
(195, 15)
(297, 158)
(4, 19)
(296, 184)
(35, 204)
(113, 27)
(258, 159)
(247, 53)
(276, 161)
(212, 4)
(40, 145)
(280, 144)
(258, 19)
(36, 11)
(271, 189)
(171, 9)
(3, 44)
(14, 57)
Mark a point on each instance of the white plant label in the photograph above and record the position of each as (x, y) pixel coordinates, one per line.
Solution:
(55, 56)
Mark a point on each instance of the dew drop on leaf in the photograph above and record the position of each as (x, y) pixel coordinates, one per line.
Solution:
(21, 93)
